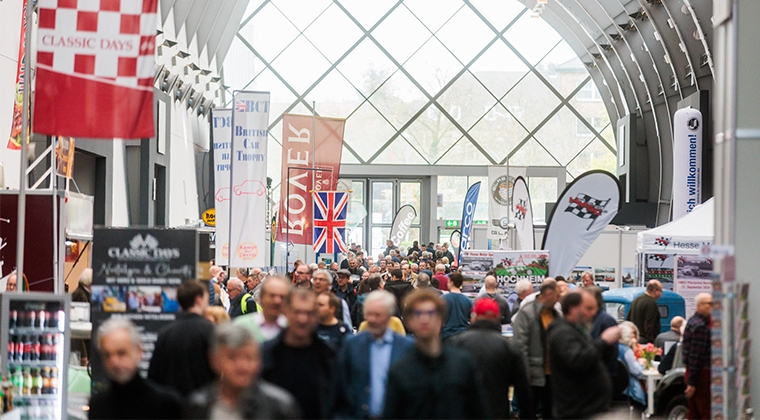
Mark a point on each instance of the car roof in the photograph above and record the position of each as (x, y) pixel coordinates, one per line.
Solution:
(628, 294)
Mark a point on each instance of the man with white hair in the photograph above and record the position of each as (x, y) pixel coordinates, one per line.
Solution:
(365, 359)
(82, 292)
(587, 279)
(322, 282)
(127, 394)
(523, 288)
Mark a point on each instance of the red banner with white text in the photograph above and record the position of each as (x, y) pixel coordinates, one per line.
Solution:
(95, 68)
(14, 142)
(296, 204)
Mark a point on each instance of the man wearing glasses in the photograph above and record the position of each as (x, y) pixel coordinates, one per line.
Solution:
(432, 381)
(696, 352)
(303, 276)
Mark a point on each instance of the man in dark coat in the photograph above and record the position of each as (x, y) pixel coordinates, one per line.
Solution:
(127, 395)
(645, 313)
(235, 288)
(581, 385)
(399, 287)
(500, 363)
(696, 354)
(180, 357)
(433, 381)
(82, 292)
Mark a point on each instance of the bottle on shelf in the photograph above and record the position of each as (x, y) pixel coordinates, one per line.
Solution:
(32, 319)
(36, 347)
(17, 377)
(27, 389)
(53, 355)
(42, 319)
(46, 380)
(27, 355)
(54, 381)
(12, 347)
(13, 319)
(19, 348)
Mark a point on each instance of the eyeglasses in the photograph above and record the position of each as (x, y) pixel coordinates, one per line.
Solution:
(419, 313)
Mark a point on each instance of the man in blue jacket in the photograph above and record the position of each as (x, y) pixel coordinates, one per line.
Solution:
(365, 359)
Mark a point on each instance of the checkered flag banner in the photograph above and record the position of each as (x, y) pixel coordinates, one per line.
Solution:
(95, 68)
(586, 207)
(658, 257)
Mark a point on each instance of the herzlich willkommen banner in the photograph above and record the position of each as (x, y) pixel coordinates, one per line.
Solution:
(522, 216)
(468, 214)
(583, 210)
(95, 68)
(221, 133)
(248, 177)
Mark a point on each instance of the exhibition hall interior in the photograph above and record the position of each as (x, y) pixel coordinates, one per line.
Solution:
(155, 141)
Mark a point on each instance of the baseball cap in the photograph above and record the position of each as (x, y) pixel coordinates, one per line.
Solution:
(486, 307)
(344, 272)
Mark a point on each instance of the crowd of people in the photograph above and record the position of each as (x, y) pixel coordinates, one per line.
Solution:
(391, 338)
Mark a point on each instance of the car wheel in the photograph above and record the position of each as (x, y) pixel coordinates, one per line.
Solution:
(677, 408)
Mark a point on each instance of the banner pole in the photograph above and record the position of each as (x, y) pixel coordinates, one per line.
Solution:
(20, 233)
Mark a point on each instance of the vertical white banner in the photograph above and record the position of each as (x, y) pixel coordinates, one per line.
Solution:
(248, 188)
(687, 161)
(499, 190)
(522, 215)
(221, 131)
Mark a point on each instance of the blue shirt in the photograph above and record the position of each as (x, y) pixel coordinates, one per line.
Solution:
(457, 315)
(380, 362)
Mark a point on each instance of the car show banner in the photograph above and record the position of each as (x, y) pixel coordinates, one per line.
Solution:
(248, 177)
(468, 216)
(402, 221)
(221, 136)
(476, 263)
(95, 69)
(582, 212)
(14, 142)
(522, 216)
(687, 161)
(135, 275)
(298, 143)
(500, 190)
(330, 209)
(513, 266)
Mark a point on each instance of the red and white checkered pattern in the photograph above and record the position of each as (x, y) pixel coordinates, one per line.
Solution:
(111, 41)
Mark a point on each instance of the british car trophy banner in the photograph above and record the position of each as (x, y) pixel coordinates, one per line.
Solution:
(95, 68)
(401, 223)
(500, 187)
(248, 179)
(330, 209)
(583, 210)
(687, 161)
(468, 216)
(14, 142)
(221, 133)
(522, 216)
(296, 204)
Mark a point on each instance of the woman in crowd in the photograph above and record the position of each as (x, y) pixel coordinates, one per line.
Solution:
(629, 340)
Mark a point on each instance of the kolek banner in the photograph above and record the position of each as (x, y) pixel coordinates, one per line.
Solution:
(582, 212)
(401, 223)
(468, 216)
(298, 142)
(95, 69)
(500, 189)
(522, 215)
(221, 134)
(248, 177)
(687, 161)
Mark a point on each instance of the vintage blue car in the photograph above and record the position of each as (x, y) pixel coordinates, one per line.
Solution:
(618, 301)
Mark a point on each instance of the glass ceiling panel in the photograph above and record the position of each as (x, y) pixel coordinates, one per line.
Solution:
(367, 131)
(433, 66)
(366, 67)
(596, 156)
(562, 135)
(367, 13)
(240, 65)
(465, 47)
(322, 33)
(498, 132)
(559, 66)
(334, 96)
(463, 153)
(398, 99)
(401, 34)
(532, 37)
(532, 154)
(466, 99)
(265, 24)
(302, 14)
(432, 134)
(400, 152)
(498, 13)
(280, 96)
(499, 69)
(291, 63)
(530, 101)
(433, 13)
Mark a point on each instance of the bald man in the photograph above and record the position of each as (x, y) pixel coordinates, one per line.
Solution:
(235, 289)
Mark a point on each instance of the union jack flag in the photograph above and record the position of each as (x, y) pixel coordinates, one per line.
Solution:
(330, 209)
(240, 106)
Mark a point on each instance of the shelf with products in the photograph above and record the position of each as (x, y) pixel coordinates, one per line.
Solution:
(34, 330)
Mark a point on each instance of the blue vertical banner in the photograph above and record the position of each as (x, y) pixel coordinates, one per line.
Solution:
(468, 214)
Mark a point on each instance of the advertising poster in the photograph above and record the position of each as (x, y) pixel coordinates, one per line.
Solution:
(500, 190)
(64, 156)
(513, 266)
(628, 276)
(578, 273)
(659, 267)
(136, 273)
(221, 132)
(468, 215)
(604, 274)
(692, 277)
(475, 264)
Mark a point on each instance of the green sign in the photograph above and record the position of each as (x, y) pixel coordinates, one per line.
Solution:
(481, 222)
(452, 223)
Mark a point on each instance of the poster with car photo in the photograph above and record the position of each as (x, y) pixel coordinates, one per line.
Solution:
(660, 267)
(692, 277)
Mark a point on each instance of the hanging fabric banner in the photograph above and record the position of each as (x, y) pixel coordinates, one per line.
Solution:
(95, 69)
(248, 177)
(522, 215)
(298, 144)
(401, 223)
(687, 161)
(64, 156)
(221, 133)
(582, 212)
(468, 214)
(14, 142)
(330, 209)
(498, 202)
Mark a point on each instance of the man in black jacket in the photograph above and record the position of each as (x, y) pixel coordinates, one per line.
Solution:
(645, 313)
(180, 357)
(236, 290)
(581, 385)
(432, 381)
(399, 287)
(500, 363)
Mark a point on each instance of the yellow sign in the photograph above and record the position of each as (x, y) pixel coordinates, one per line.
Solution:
(209, 217)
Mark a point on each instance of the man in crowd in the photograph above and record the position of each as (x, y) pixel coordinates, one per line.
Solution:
(440, 275)
(322, 282)
(433, 381)
(354, 267)
(423, 282)
(330, 328)
(501, 364)
(581, 385)
(459, 307)
(241, 274)
(214, 286)
(239, 393)
(523, 288)
(10, 285)
(587, 279)
(492, 292)
(253, 284)
(235, 289)
(696, 353)
(365, 359)
(447, 253)
(298, 360)
(180, 356)
(82, 293)
(602, 320)
(345, 290)
(349, 256)
(128, 395)
(303, 276)
(389, 247)
(645, 314)
(408, 275)
(424, 269)
(398, 287)
(670, 337)
(270, 321)
(530, 327)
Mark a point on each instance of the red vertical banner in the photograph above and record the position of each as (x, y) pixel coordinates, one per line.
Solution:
(14, 142)
(296, 203)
